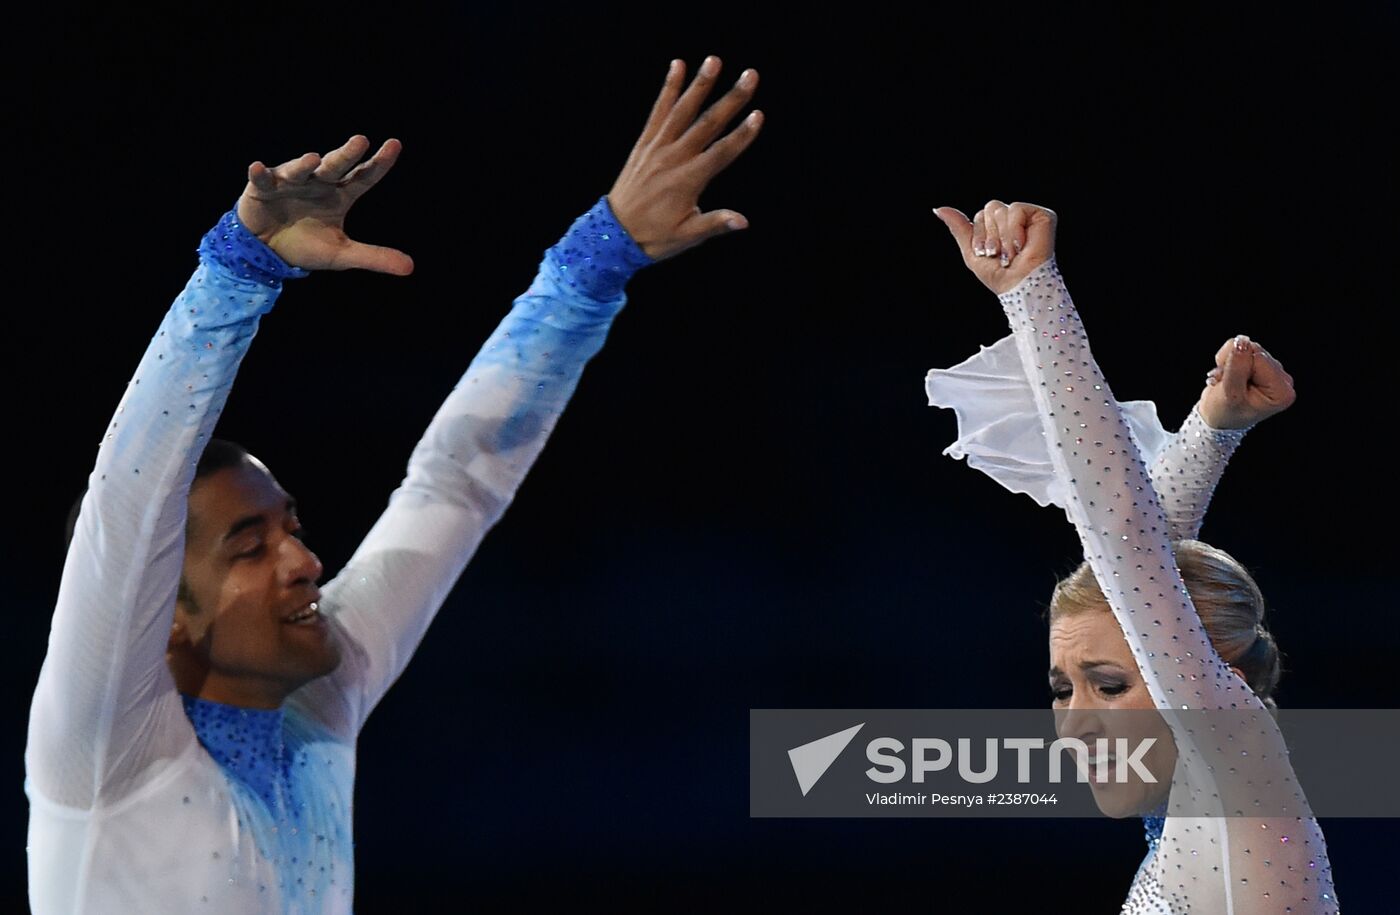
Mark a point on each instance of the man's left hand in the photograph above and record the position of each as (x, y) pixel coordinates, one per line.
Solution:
(656, 198)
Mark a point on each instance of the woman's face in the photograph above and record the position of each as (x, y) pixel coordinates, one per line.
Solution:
(1098, 693)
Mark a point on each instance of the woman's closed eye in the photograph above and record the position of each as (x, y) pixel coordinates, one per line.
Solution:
(1113, 689)
(1061, 692)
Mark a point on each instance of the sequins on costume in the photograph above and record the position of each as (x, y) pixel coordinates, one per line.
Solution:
(1087, 456)
(143, 802)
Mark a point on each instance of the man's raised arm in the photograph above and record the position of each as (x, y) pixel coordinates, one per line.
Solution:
(484, 438)
(105, 708)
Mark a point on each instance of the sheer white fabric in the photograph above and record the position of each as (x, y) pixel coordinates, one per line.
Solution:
(1035, 413)
(999, 433)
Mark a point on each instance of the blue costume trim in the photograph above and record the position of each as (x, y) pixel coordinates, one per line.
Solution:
(1153, 823)
(234, 248)
(597, 256)
(247, 744)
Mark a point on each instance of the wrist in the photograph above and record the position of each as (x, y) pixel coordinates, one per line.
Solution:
(231, 246)
(1039, 272)
(1216, 427)
(597, 256)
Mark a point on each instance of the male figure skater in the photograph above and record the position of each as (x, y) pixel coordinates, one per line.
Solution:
(192, 737)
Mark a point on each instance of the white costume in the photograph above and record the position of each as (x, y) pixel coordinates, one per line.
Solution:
(137, 806)
(1035, 413)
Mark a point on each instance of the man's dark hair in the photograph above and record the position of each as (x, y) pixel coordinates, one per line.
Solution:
(218, 454)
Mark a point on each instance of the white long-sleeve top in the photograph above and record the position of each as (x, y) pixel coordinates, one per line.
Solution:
(130, 811)
(1086, 454)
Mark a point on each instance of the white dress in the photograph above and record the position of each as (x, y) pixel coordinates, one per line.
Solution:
(1035, 413)
(129, 812)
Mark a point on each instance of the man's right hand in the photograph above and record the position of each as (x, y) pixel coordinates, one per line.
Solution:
(298, 208)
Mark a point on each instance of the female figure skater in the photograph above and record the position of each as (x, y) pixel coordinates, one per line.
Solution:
(1162, 646)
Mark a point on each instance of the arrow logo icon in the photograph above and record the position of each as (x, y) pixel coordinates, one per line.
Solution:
(811, 760)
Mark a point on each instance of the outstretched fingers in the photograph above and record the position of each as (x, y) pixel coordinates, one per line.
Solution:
(298, 208)
(665, 101)
(335, 164)
(261, 178)
(298, 170)
(700, 134)
(367, 174)
(719, 156)
(683, 113)
(708, 225)
(358, 255)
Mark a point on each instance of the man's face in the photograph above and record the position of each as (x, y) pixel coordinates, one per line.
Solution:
(246, 625)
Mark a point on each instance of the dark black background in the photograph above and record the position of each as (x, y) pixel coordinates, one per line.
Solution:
(745, 505)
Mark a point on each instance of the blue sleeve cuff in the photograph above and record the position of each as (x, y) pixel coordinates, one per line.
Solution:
(230, 246)
(596, 256)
